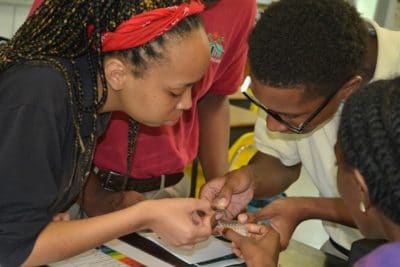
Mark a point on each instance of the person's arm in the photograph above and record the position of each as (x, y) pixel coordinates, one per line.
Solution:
(62, 239)
(328, 209)
(214, 135)
(285, 214)
(265, 175)
(270, 176)
(229, 67)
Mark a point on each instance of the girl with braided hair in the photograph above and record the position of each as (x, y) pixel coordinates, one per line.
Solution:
(368, 153)
(68, 66)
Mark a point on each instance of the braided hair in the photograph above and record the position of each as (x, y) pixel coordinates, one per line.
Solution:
(58, 29)
(319, 44)
(369, 135)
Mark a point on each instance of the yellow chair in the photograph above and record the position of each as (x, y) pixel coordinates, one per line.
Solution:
(195, 172)
(241, 151)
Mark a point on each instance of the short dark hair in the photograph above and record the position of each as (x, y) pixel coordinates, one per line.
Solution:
(319, 44)
(369, 135)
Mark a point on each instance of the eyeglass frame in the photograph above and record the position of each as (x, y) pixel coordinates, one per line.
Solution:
(296, 129)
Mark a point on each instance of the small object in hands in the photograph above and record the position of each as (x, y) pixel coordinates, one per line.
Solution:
(220, 213)
(197, 216)
(236, 226)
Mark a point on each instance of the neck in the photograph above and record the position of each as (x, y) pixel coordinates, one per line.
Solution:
(391, 229)
(369, 64)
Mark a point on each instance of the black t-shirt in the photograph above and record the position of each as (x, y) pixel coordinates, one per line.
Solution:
(37, 154)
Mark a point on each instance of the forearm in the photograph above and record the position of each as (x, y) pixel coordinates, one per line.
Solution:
(59, 240)
(214, 135)
(328, 209)
(270, 176)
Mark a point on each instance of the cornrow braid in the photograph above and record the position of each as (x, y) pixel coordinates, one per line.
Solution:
(58, 29)
(369, 135)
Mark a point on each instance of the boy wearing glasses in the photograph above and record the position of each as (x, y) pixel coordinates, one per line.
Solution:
(306, 58)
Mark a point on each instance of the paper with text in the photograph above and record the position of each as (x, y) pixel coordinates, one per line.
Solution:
(209, 250)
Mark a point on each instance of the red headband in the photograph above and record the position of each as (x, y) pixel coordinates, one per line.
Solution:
(143, 28)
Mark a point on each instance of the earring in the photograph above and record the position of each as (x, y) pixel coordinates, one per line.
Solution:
(362, 207)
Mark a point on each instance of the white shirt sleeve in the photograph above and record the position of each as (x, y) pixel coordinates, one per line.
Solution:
(279, 145)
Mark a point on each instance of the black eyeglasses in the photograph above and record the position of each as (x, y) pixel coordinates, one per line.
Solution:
(296, 129)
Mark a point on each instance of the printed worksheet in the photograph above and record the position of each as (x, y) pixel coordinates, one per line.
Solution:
(210, 253)
(115, 253)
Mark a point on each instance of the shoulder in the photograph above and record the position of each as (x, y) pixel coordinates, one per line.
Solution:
(221, 14)
(32, 83)
(32, 74)
(386, 255)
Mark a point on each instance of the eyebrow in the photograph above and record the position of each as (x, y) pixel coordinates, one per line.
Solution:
(188, 84)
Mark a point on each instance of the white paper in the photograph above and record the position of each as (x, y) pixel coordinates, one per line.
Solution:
(97, 258)
(89, 258)
(207, 250)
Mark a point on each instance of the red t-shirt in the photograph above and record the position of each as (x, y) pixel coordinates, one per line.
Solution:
(35, 5)
(168, 149)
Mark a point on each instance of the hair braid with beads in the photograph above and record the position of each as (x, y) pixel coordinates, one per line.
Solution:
(58, 29)
(369, 135)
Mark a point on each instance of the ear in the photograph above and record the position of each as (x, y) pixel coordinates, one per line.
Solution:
(363, 189)
(116, 72)
(350, 86)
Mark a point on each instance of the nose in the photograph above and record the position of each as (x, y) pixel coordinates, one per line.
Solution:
(275, 126)
(185, 102)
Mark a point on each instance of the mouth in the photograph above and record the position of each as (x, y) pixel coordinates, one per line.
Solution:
(172, 121)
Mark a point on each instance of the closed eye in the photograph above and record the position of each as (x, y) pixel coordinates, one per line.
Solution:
(175, 95)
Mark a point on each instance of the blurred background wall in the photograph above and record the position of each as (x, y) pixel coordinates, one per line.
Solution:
(385, 12)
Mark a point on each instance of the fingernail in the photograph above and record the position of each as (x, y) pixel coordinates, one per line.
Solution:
(222, 203)
(242, 218)
(223, 232)
(219, 215)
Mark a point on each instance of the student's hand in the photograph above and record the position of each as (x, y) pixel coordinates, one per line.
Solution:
(231, 192)
(63, 216)
(259, 249)
(181, 222)
(283, 214)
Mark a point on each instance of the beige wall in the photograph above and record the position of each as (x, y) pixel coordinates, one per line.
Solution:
(12, 14)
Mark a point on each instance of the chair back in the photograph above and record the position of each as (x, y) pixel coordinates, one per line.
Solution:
(241, 151)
